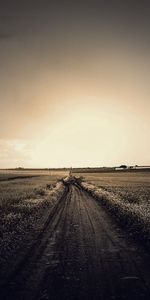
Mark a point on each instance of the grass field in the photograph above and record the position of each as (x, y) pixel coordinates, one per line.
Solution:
(126, 195)
(23, 197)
(16, 174)
(132, 187)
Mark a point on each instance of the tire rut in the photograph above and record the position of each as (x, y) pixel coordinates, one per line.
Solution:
(14, 287)
(81, 253)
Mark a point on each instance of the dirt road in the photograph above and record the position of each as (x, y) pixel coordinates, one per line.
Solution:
(81, 254)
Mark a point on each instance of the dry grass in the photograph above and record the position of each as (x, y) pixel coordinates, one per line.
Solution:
(22, 203)
(14, 191)
(126, 196)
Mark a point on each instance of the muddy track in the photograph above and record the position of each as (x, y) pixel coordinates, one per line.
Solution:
(81, 253)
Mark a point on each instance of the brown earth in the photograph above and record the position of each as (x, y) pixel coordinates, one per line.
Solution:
(81, 253)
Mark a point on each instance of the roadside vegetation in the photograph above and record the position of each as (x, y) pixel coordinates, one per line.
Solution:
(23, 206)
(127, 197)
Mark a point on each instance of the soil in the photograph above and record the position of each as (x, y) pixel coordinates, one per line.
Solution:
(80, 253)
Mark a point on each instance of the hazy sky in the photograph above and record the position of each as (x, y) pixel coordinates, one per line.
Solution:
(74, 83)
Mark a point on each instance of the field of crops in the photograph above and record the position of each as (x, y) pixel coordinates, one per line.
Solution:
(45, 220)
(132, 187)
(23, 198)
(16, 174)
(126, 195)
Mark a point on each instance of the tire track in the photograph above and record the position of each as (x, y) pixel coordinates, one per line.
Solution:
(81, 253)
(12, 287)
(126, 259)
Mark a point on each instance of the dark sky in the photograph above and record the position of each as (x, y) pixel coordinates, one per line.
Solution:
(80, 57)
(18, 18)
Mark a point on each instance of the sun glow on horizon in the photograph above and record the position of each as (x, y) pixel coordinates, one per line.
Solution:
(74, 84)
(93, 135)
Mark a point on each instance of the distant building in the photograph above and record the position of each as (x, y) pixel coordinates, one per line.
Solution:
(122, 167)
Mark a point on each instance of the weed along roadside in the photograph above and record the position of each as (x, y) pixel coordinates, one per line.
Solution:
(132, 217)
(73, 248)
(21, 222)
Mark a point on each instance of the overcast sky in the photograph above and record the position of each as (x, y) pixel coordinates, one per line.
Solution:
(74, 83)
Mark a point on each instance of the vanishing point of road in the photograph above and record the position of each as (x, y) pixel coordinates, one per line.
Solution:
(81, 253)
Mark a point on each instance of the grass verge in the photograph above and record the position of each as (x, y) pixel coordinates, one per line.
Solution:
(22, 220)
(132, 216)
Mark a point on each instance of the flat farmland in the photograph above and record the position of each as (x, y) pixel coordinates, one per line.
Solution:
(117, 178)
(126, 195)
(24, 198)
(16, 174)
(61, 239)
(132, 187)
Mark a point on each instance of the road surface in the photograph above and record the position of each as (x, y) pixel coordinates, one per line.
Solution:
(81, 254)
